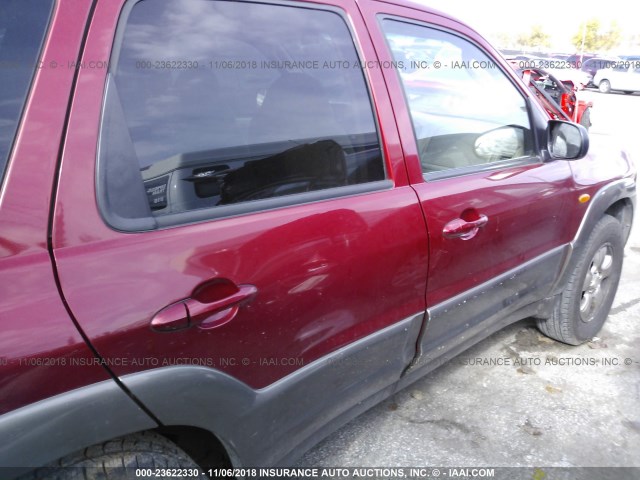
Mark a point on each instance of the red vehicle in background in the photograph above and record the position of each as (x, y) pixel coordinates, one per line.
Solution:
(559, 97)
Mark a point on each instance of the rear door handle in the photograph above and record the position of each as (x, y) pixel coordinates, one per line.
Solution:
(218, 312)
(211, 305)
(464, 229)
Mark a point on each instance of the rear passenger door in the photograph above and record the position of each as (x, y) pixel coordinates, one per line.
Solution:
(495, 210)
(225, 200)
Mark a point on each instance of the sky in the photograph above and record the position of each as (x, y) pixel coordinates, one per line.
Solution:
(559, 19)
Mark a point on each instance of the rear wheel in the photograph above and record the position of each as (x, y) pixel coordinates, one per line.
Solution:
(145, 450)
(583, 306)
(604, 86)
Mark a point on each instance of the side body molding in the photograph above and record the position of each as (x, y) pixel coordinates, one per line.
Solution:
(50, 429)
(460, 322)
(274, 425)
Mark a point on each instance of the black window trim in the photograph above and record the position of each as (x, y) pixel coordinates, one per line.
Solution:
(179, 219)
(533, 158)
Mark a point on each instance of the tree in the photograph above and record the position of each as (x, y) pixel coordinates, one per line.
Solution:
(503, 40)
(535, 38)
(595, 38)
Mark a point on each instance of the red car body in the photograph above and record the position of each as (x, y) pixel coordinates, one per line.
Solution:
(299, 285)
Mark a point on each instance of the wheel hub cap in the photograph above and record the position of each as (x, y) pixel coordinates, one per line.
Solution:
(596, 283)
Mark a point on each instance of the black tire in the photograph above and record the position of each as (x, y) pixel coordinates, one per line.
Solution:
(146, 450)
(584, 305)
(604, 86)
(585, 119)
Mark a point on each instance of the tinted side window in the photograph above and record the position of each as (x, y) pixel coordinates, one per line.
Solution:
(215, 103)
(23, 24)
(464, 110)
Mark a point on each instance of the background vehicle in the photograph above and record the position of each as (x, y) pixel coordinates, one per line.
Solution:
(559, 68)
(219, 219)
(577, 59)
(528, 61)
(592, 65)
(558, 95)
(578, 78)
(625, 76)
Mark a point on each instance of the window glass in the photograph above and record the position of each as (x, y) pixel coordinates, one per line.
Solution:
(229, 102)
(464, 110)
(23, 24)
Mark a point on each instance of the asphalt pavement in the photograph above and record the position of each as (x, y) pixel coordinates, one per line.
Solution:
(518, 398)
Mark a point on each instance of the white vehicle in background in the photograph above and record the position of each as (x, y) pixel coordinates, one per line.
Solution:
(625, 76)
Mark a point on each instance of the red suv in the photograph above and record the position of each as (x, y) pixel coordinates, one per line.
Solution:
(229, 227)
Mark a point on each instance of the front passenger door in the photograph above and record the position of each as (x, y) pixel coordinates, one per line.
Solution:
(494, 210)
